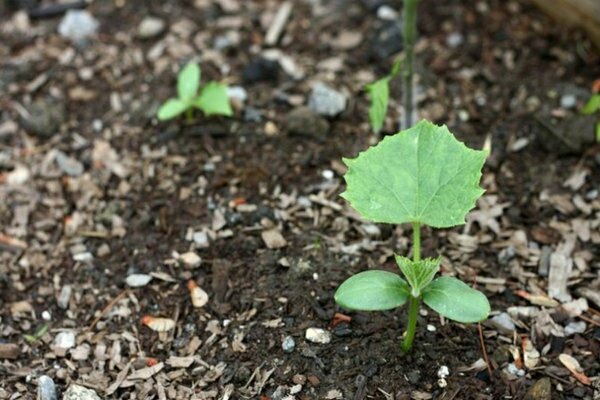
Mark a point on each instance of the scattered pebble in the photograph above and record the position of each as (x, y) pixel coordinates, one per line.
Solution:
(443, 372)
(77, 26)
(44, 117)
(387, 13)
(46, 316)
(200, 238)
(46, 388)
(77, 392)
(512, 369)
(387, 40)
(503, 323)
(190, 259)
(431, 328)
(540, 390)
(64, 297)
(454, 39)
(326, 101)
(568, 101)
(575, 327)
(9, 351)
(63, 342)
(138, 280)
(260, 70)
(150, 27)
(237, 93)
(273, 239)
(198, 296)
(318, 335)
(288, 344)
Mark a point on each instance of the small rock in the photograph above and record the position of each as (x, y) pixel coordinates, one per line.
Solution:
(45, 117)
(260, 70)
(443, 372)
(237, 93)
(318, 335)
(81, 352)
(138, 280)
(68, 165)
(568, 101)
(273, 239)
(304, 121)
(63, 342)
(503, 323)
(342, 330)
(251, 114)
(326, 101)
(575, 327)
(200, 238)
(454, 39)
(64, 297)
(414, 376)
(288, 344)
(387, 40)
(77, 26)
(150, 27)
(190, 259)
(512, 369)
(76, 392)
(46, 388)
(387, 13)
(541, 390)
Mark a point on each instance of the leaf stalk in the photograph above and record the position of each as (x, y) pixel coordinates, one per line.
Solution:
(415, 302)
(409, 16)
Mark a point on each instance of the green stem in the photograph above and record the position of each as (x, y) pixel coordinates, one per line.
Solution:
(189, 114)
(413, 313)
(415, 302)
(410, 33)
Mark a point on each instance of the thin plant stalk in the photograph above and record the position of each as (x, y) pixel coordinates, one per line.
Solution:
(415, 302)
(410, 34)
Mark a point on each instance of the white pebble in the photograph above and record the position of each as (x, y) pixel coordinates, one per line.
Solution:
(318, 335)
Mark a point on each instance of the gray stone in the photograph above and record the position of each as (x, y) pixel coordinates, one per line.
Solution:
(541, 390)
(503, 323)
(64, 340)
(45, 117)
(386, 40)
(138, 280)
(570, 135)
(77, 392)
(288, 344)
(68, 165)
(306, 122)
(568, 101)
(326, 101)
(575, 327)
(46, 388)
(77, 26)
(150, 27)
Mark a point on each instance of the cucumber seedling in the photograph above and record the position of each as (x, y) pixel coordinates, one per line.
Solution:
(211, 98)
(424, 176)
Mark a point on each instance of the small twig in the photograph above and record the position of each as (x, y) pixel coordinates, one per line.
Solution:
(278, 23)
(484, 351)
(107, 309)
(589, 320)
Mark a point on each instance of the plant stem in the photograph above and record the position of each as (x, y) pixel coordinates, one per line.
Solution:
(410, 33)
(413, 312)
(415, 302)
(189, 114)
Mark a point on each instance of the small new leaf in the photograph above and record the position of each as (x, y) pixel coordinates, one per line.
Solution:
(379, 95)
(422, 174)
(213, 100)
(419, 274)
(456, 300)
(592, 105)
(188, 82)
(171, 108)
(372, 291)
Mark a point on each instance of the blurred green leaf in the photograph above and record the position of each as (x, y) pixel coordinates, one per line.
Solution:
(592, 105)
(188, 82)
(379, 95)
(213, 100)
(171, 108)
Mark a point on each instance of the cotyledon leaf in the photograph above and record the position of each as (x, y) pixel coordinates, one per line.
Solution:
(372, 291)
(456, 300)
(422, 174)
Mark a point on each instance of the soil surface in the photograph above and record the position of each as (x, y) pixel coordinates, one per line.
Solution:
(106, 214)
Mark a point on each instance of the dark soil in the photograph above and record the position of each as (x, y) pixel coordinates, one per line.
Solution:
(182, 176)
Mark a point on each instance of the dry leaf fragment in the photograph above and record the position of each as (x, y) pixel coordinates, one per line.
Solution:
(145, 373)
(537, 299)
(158, 324)
(199, 297)
(531, 356)
(573, 365)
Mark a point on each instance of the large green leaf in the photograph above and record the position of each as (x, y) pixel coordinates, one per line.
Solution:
(213, 100)
(372, 291)
(188, 81)
(456, 300)
(418, 273)
(171, 108)
(422, 174)
(379, 95)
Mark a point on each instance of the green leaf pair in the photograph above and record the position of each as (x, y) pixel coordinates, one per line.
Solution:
(382, 290)
(212, 98)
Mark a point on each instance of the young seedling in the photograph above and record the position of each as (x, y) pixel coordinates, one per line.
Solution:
(379, 96)
(424, 176)
(211, 98)
(592, 107)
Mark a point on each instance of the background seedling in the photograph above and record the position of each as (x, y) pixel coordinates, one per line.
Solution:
(592, 107)
(211, 98)
(422, 175)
